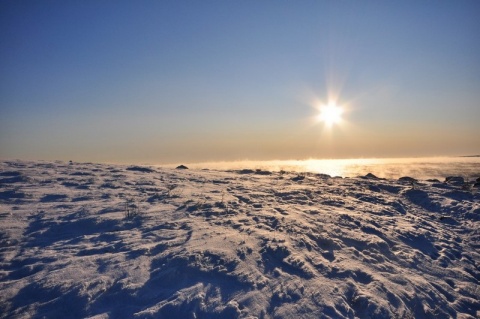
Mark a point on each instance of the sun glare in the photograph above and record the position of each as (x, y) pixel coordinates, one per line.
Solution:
(330, 114)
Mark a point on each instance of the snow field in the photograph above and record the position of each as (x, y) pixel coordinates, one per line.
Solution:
(232, 244)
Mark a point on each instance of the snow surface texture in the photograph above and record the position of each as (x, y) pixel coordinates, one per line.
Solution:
(111, 241)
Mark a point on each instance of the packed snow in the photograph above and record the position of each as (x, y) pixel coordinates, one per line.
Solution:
(84, 240)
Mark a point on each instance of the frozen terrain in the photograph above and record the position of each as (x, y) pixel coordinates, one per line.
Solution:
(110, 241)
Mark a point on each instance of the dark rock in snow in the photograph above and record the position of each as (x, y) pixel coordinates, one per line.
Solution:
(455, 180)
(140, 169)
(181, 167)
(407, 179)
(298, 178)
(260, 172)
(246, 171)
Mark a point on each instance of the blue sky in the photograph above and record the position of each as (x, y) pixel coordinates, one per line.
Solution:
(168, 81)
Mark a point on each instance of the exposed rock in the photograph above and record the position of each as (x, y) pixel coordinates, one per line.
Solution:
(261, 172)
(246, 171)
(407, 179)
(455, 180)
(140, 169)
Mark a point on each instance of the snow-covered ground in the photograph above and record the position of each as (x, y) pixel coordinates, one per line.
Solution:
(233, 244)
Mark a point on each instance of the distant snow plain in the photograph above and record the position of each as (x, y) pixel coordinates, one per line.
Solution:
(85, 240)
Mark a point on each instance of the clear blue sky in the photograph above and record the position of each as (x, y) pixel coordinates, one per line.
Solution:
(186, 81)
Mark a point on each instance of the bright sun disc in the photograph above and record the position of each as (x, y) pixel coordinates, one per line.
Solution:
(330, 114)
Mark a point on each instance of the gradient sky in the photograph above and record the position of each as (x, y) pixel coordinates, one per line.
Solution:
(188, 81)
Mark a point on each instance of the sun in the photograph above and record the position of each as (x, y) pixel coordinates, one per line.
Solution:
(330, 114)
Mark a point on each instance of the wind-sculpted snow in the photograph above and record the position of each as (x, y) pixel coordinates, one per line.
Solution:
(234, 244)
